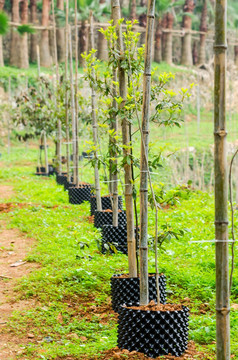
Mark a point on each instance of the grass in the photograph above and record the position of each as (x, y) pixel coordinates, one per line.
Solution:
(72, 286)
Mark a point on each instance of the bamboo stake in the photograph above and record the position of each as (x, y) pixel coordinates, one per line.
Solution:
(221, 186)
(114, 177)
(198, 109)
(144, 288)
(57, 84)
(76, 99)
(46, 153)
(95, 125)
(38, 60)
(131, 241)
(72, 103)
(66, 89)
(8, 118)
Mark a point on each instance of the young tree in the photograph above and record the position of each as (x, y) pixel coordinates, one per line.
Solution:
(45, 56)
(15, 37)
(186, 56)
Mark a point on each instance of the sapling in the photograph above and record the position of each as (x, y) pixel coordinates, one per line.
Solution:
(76, 99)
(66, 89)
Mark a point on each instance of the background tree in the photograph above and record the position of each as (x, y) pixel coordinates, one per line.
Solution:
(60, 35)
(23, 51)
(15, 37)
(3, 29)
(186, 55)
(203, 28)
(34, 37)
(45, 57)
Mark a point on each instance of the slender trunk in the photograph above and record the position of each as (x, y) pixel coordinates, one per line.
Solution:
(158, 42)
(195, 53)
(76, 98)
(23, 58)
(198, 108)
(142, 23)
(33, 37)
(116, 15)
(15, 37)
(1, 44)
(144, 288)
(72, 96)
(66, 89)
(221, 186)
(83, 42)
(45, 56)
(46, 154)
(203, 28)
(102, 47)
(60, 36)
(114, 170)
(164, 26)
(9, 119)
(95, 125)
(186, 58)
(168, 49)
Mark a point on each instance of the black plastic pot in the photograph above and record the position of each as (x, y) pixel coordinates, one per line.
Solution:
(114, 236)
(127, 290)
(61, 179)
(105, 218)
(154, 333)
(80, 194)
(106, 203)
(69, 184)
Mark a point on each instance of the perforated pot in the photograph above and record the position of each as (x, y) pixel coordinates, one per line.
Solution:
(105, 218)
(61, 179)
(154, 333)
(69, 184)
(126, 290)
(80, 194)
(106, 203)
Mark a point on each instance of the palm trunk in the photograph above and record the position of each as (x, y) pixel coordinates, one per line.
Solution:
(23, 58)
(203, 28)
(158, 42)
(83, 41)
(131, 242)
(144, 288)
(60, 36)
(33, 37)
(186, 58)
(195, 53)
(236, 55)
(15, 37)
(221, 186)
(95, 125)
(163, 39)
(45, 56)
(168, 53)
(102, 47)
(66, 89)
(133, 10)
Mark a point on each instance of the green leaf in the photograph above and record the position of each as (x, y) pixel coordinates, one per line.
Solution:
(3, 23)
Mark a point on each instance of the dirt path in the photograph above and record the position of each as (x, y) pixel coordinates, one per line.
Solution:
(13, 248)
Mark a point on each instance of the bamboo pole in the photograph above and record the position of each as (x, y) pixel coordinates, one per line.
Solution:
(59, 130)
(114, 177)
(95, 125)
(8, 118)
(144, 288)
(76, 99)
(72, 103)
(38, 60)
(221, 185)
(66, 88)
(46, 153)
(131, 241)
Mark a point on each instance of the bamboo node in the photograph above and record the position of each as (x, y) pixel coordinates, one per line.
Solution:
(143, 190)
(223, 311)
(220, 133)
(220, 46)
(222, 222)
(143, 247)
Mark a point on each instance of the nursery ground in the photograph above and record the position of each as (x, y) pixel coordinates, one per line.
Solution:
(62, 303)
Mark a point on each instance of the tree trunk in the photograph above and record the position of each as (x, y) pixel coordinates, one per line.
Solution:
(15, 37)
(23, 58)
(66, 89)
(195, 53)
(102, 47)
(83, 42)
(60, 36)
(133, 10)
(131, 242)
(186, 58)
(168, 49)
(76, 96)
(164, 26)
(142, 23)
(144, 287)
(158, 42)
(1, 44)
(45, 57)
(221, 186)
(203, 28)
(236, 55)
(34, 38)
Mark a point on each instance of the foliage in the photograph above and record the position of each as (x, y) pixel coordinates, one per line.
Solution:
(25, 29)
(3, 23)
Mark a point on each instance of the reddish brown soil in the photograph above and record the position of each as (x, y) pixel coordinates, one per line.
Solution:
(152, 306)
(90, 219)
(126, 276)
(6, 191)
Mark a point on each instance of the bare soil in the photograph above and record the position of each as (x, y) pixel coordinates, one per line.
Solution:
(6, 191)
